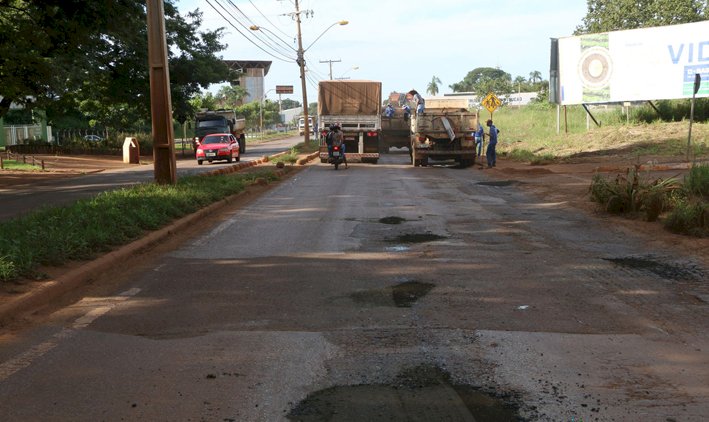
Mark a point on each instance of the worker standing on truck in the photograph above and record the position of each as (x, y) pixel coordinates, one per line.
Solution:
(491, 154)
(418, 99)
(389, 110)
(407, 111)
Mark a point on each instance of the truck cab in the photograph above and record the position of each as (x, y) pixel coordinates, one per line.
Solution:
(219, 121)
(301, 126)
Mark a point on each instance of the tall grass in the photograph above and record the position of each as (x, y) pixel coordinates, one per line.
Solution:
(697, 180)
(56, 235)
(534, 128)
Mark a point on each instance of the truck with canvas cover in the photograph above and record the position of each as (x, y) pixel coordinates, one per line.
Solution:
(443, 135)
(356, 107)
(208, 122)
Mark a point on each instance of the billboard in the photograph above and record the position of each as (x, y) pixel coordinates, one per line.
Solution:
(636, 65)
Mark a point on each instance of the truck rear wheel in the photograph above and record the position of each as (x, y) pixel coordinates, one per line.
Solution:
(242, 144)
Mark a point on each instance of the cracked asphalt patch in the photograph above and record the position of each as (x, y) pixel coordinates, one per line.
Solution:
(670, 271)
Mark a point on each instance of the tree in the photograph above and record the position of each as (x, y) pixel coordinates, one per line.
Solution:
(613, 15)
(483, 80)
(535, 76)
(66, 55)
(289, 103)
(432, 87)
(231, 96)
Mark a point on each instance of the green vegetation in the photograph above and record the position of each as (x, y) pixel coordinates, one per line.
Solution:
(533, 129)
(686, 203)
(17, 165)
(56, 235)
(297, 150)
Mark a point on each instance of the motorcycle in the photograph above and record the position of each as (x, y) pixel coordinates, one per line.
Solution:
(338, 157)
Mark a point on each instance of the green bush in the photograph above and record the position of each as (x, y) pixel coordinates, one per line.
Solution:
(631, 193)
(689, 217)
(697, 180)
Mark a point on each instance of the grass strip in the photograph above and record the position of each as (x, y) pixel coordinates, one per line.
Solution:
(18, 165)
(52, 236)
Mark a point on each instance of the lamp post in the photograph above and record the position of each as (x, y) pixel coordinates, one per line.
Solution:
(300, 59)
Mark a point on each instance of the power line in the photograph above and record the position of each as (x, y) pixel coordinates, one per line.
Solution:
(275, 46)
(267, 20)
(288, 59)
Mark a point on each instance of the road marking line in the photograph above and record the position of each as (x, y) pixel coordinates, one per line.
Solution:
(26, 359)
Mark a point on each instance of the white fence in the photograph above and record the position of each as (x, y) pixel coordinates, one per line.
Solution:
(17, 134)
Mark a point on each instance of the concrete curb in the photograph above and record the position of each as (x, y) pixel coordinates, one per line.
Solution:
(54, 289)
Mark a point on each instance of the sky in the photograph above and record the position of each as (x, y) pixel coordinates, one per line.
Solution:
(402, 43)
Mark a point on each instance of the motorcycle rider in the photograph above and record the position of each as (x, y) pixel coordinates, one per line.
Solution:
(338, 141)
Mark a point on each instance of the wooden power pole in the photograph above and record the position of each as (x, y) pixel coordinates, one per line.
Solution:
(160, 101)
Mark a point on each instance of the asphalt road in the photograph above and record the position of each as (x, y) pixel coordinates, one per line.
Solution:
(23, 199)
(380, 293)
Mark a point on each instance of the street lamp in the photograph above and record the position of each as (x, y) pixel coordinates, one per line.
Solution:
(347, 71)
(300, 59)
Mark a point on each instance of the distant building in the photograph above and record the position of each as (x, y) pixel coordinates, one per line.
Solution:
(252, 79)
(288, 116)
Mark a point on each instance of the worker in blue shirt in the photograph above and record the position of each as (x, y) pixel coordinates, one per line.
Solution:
(478, 135)
(492, 143)
(389, 110)
(407, 111)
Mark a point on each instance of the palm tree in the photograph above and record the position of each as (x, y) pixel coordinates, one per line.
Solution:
(535, 76)
(433, 86)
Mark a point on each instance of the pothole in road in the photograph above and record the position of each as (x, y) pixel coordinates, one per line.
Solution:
(499, 183)
(402, 295)
(423, 393)
(677, 272)
(417, 238)
(392, 220)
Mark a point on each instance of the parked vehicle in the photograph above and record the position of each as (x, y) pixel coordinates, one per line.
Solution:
(217, 147)
(355, 106)
(220, 121)
(443, 134)
(93, 138)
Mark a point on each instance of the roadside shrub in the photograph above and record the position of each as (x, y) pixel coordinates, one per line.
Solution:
(697, 180)
(631, 194)
(689, 217)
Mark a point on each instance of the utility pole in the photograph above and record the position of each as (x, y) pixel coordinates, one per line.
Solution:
(160, 101)
(331, 62)
(301, 63)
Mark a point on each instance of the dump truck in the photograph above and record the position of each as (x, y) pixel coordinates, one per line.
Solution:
(356, 107)
(220, 121)
(443, 135)
(396, 130)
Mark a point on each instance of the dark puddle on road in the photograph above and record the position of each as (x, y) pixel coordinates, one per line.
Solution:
(392, 220)
(677, 272)
(402, 295)
(424, 393)
(500, 183)
(417, 238)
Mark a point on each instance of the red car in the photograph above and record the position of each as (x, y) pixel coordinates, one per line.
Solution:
(218, 146)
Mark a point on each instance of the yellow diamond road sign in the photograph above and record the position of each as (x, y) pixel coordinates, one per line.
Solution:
(491, 102)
